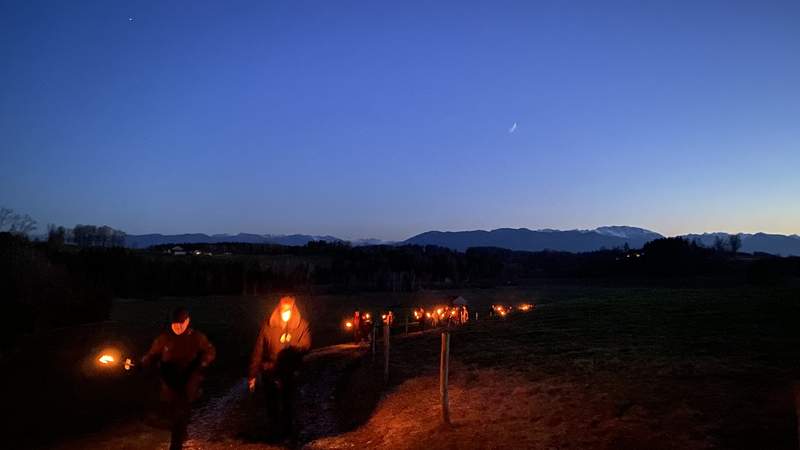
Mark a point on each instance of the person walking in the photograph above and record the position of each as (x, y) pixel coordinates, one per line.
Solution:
(182, 355)
(278, 356)
(357, 327)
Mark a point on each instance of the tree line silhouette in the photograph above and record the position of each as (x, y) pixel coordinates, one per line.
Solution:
(54, 283)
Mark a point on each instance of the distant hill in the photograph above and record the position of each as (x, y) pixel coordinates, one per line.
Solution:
(537, 240)
(776, 244)
(590, 240)
(147, 240)
(511, 238)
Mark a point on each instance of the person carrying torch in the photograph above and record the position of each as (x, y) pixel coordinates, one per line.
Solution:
(182, 355)
(365, 325)
(277, 356)
(356, 326)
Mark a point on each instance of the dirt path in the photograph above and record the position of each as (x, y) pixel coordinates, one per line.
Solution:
(234, 419)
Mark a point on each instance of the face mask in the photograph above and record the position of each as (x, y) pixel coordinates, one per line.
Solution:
(180, 327)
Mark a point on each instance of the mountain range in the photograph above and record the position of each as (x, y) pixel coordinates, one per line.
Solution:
(510, 238)
(537, 240)
(588, 240)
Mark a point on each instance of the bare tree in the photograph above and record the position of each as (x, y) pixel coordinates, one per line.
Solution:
(118, 238)
(93, 236)
(719, 244)
(16, 223)
(735, 243)
(56, 235)
(24, 225)
(5, 217)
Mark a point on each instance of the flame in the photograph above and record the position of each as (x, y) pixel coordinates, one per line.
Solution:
(105, 359)
(286, 314)
(348, 324)
(367, 316)
(501, 310)
(428, 315)
(285, 338)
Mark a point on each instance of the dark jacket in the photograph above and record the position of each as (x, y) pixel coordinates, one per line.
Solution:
(296, 339)
(180, 355)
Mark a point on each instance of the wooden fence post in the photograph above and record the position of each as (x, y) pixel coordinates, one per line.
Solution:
(374, 337)
(387, 332)
(444, 368)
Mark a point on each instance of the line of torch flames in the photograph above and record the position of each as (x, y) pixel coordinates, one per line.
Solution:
(442, 312)
(439, 313)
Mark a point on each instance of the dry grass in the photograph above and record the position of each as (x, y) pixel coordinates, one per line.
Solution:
(614, 369)
(496, 409)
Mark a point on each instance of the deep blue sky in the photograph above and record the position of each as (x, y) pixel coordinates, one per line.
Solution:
(379, 119)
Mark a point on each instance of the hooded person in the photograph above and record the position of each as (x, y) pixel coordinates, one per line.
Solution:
(277, 356)
(182, 355)
(357, 327)
(366, 326)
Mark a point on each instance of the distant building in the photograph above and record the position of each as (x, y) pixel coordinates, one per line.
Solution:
(177, 251)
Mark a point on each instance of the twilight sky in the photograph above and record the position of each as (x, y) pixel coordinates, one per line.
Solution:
(386, 119)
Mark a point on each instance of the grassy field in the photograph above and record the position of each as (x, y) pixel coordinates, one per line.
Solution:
(591, 367)
(603, 368)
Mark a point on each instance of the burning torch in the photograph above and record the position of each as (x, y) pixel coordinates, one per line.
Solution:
(501, 310)
(525, 307)
(348, 325)
(112, 358)
(286, 315)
